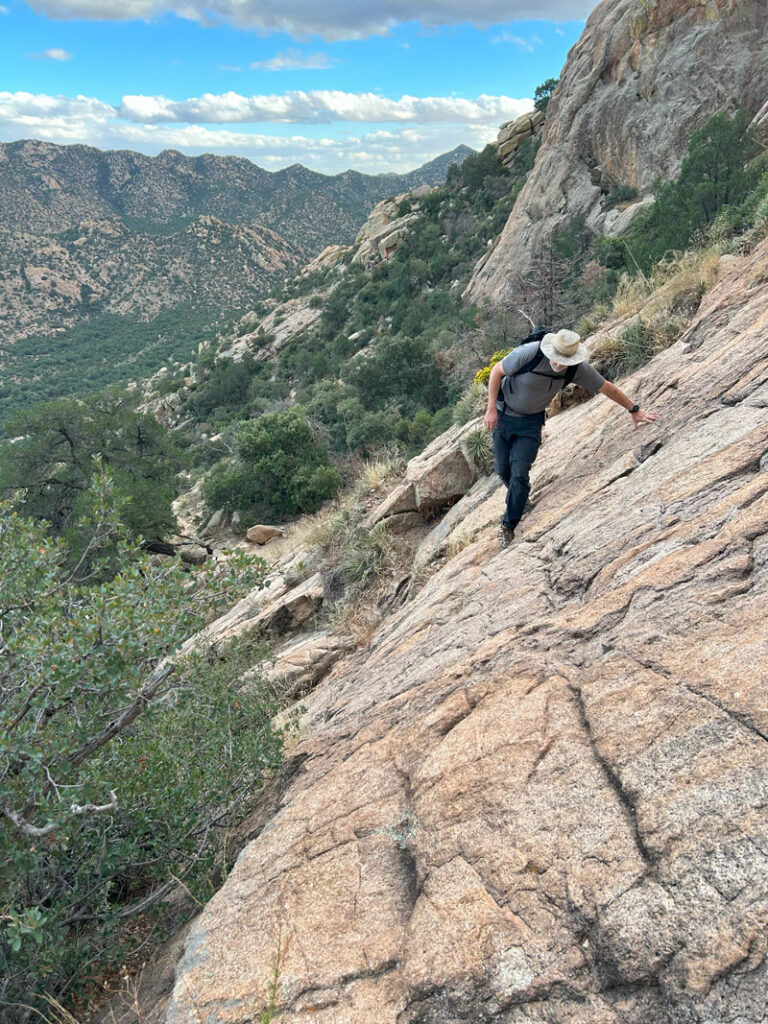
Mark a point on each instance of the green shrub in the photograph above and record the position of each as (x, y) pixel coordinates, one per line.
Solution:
(119, 768)
(477, 447)
(279, 469)
(46, 473)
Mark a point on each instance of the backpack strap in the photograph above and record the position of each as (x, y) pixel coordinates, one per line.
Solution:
(530, 366)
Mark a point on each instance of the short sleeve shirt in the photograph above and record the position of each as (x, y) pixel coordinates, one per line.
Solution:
(529, 393)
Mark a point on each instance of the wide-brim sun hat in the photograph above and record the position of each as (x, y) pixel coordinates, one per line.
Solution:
(565, 347)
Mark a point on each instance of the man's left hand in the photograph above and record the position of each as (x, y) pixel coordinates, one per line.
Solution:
(640, 417)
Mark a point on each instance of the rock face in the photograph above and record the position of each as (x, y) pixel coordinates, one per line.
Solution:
(541, 795)
(641, 78)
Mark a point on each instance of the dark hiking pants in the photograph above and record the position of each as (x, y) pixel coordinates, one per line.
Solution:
(516, 442)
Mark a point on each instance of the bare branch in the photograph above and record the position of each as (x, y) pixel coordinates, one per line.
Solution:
(40, 833)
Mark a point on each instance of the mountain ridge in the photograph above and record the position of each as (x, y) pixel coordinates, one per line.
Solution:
(46, 188)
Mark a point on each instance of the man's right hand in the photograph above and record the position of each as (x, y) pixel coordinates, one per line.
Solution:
(491, 420)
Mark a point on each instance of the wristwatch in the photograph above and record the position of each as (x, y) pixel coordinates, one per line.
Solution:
(634, 409)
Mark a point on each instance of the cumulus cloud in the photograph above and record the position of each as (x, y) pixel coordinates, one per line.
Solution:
(392, 147)
(344, 19)
(320, 106)
(293, 60)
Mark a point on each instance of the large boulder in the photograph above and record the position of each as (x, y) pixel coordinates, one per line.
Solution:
(262, 534)
(434, 480)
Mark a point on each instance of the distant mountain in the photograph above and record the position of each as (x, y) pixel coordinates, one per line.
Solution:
(434, 172)
(113, 263)
(45, 189)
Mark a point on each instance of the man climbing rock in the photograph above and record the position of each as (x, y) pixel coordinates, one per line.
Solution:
(520, 388)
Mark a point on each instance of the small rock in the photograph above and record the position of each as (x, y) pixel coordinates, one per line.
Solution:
(193, 554)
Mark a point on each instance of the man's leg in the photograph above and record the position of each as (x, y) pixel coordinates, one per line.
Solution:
(501, 450)
(523, 450)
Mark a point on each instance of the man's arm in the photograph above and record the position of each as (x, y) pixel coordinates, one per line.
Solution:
(618, 396)
(494, 383)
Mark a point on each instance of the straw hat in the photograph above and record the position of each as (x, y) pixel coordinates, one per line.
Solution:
(565, 347)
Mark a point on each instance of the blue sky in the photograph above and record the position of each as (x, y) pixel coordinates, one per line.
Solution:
(382, 85)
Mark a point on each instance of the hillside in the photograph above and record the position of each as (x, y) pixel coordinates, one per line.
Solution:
(540, 792)
(125, 262)
(46, 189)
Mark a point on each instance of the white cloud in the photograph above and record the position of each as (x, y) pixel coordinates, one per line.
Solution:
(343, 19)
(90, 121)
(525, 44)
(293, 60)
(3, 10)
(53, 54)
(320, 107)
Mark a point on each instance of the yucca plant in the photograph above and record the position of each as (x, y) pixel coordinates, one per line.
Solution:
(476, 445)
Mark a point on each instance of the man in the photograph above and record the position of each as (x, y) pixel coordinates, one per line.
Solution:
(529, 378)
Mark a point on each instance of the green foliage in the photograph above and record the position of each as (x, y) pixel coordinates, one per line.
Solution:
(543, 93)
(373, 370)
(471, 404)
(365, 554)
(481, 377)
(719, 171)
(476, 445)
(620, 194)
(105, 350)
(118, 767)
(46, 472)
(279, 469)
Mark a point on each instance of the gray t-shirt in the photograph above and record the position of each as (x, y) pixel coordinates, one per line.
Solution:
(532, 392)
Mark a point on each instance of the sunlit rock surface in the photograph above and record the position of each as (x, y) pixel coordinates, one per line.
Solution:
(541, 794)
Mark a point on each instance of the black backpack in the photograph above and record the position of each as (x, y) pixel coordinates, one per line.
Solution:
(533, 362)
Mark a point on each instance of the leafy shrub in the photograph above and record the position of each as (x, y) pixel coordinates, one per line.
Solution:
(279, 469)
(118, 767)
(620, 194)
(47, 471)
(481, 377)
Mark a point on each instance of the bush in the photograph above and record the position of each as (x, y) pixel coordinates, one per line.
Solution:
(481, 377)
(719, 170)
(279, 469)
(119, 767)
(477, 447)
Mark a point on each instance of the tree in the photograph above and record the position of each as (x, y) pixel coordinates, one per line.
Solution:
(46, 471)
(543, 94)
(120, 758)
(279, 469)
(717, 172)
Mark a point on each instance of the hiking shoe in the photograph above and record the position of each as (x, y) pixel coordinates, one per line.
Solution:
(506, 535)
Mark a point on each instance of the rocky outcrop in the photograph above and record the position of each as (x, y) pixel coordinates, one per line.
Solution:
(513, 134)
(641, 78)
(383, 231)
(541, 793)
(434, 480)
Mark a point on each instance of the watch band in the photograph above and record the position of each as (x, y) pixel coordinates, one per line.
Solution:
(633, 410)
